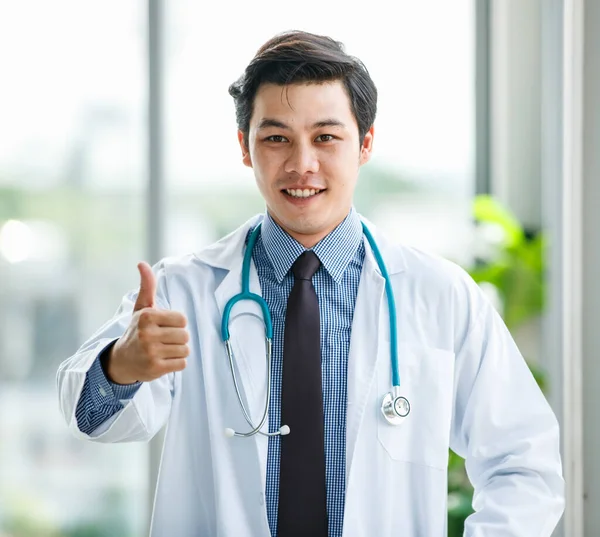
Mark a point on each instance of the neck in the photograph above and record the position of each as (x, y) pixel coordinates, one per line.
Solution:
(309, 240)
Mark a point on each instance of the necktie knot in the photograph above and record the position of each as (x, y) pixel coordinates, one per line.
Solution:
(306, 265)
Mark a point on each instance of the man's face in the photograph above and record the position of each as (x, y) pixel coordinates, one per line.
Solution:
(304, 148)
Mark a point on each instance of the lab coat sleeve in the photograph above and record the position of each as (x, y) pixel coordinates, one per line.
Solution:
(507, 432)
(142, 415)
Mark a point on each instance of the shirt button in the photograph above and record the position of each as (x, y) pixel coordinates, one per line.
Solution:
(102, 391)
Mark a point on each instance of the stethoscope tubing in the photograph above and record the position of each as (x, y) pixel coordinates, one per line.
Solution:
(245, 294)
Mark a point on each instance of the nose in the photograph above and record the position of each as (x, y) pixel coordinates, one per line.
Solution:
(302, 160)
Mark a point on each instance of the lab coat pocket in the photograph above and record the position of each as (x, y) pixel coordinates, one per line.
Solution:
(426, 380)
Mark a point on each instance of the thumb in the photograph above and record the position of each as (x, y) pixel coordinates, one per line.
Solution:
(147, 292)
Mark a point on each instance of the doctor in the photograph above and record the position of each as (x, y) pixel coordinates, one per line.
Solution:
(330, 459)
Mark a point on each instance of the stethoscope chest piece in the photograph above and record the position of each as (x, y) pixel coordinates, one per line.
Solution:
(395, 409)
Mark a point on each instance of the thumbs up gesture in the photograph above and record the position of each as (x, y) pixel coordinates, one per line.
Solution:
(147, 292)
(154, 344)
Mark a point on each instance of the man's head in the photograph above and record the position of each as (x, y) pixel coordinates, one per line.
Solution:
(305, 112)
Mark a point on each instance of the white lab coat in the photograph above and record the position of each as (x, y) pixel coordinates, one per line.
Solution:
(468, 385)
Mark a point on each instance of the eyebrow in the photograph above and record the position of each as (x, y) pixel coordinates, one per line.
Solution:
(270, 122)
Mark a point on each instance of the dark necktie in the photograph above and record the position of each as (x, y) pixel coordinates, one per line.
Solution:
(302, 491)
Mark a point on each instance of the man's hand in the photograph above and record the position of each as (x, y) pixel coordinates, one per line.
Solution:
(154, 344)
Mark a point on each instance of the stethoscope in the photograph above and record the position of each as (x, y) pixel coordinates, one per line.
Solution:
(394, 407)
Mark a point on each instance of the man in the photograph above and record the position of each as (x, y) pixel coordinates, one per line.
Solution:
(305, 112)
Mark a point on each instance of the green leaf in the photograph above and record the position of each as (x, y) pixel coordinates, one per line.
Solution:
(487, 209)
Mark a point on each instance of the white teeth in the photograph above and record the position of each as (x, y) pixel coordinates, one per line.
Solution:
(306, 193)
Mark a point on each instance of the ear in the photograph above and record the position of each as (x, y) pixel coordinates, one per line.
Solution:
(245, 152)
(367, 146)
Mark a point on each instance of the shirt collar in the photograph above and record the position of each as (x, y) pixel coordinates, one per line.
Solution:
(335, 251)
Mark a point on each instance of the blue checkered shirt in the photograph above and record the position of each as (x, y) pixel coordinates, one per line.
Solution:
(336, 284)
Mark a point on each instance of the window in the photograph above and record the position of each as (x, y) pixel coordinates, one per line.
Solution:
(71, 217)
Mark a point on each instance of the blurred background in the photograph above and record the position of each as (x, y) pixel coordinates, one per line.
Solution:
(118, 143)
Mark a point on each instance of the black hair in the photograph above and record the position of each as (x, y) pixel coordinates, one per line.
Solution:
(297, 57)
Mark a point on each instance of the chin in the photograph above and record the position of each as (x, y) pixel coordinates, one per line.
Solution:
(312, 230)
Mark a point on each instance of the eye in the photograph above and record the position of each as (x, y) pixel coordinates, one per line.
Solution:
(277, 138)
(325, 137)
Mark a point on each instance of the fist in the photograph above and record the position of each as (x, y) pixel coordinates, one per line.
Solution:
(155, 342)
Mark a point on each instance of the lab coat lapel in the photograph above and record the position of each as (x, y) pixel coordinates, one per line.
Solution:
(247, 332)
(369, 326)
(247, 337)
(364, 347)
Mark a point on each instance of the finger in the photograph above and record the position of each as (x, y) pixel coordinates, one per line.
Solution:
(169, 319)
(173, 336)
(146, 296)
(170, 352)
(176, 364)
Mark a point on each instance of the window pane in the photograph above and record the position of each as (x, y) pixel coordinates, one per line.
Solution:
(71, 217)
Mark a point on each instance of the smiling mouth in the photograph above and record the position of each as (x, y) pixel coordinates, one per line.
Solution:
(303, 193)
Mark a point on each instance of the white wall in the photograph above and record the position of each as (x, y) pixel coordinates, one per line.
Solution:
(591, 267)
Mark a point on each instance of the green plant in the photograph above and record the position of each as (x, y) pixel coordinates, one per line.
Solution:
(512, 261)
(516, 267)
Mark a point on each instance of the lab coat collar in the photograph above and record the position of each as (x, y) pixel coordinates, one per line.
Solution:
(227, 253)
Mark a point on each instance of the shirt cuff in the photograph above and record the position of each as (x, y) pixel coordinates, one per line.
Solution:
(105, 391)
